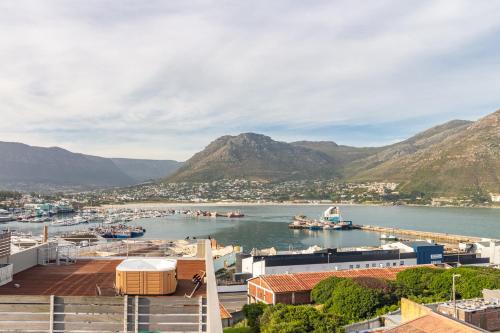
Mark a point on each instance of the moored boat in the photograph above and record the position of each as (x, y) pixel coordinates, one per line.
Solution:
(386, 237)
(120, 232)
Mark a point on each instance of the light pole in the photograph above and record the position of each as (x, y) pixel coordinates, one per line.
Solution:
(453, 295)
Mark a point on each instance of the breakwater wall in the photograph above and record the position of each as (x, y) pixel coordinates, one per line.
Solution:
(436, 236)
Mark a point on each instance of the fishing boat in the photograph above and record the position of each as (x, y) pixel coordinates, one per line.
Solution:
(120, 232)
(236, 214)
(316, 226)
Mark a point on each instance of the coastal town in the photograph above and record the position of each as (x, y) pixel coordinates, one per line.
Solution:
(247, 191)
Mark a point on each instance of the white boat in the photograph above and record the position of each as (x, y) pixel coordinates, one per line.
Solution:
(388, 237)
(5, 216)
(332, 214)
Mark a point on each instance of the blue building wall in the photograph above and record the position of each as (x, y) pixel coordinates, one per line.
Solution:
(429, 253)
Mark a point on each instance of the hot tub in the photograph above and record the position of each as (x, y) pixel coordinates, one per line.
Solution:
(146, 276)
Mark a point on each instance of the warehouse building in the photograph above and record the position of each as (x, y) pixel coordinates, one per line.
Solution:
(296, 288)
(404, 254)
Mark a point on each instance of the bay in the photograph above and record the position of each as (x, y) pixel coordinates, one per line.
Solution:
(267, 225)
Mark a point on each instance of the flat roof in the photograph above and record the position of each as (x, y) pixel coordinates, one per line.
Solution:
(434, 323)
(83, 277)
(282, 283)
(419, 243)
(472, 305)
(334, 257)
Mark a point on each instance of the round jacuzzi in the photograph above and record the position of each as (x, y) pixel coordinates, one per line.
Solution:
(146, 276)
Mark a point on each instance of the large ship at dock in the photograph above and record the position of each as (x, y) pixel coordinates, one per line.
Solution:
(330, 220)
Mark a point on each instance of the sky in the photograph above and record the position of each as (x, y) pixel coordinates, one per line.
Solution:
(161, 79)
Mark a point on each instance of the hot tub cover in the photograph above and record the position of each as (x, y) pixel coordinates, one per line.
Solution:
(147, 265)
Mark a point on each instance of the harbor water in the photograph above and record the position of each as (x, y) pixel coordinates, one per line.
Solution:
(267, 225)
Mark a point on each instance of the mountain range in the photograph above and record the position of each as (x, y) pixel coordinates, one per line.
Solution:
(453, 158)
(30, 168)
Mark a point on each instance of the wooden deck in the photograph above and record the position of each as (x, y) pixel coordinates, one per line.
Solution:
(83, 277)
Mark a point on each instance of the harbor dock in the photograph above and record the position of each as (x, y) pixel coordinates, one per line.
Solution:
(436, 236)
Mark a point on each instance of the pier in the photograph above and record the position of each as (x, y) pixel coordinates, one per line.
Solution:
(436, 236)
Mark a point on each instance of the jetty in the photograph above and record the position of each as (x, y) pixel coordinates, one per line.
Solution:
(436, 236)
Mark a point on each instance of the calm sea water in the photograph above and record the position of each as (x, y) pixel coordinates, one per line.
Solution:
(266, 226)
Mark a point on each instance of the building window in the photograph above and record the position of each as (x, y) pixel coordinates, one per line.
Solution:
(388, 264)
(402, 263)
(351, 266)
(394, 264)
(357, 266)
(374, 265)
(367, 265)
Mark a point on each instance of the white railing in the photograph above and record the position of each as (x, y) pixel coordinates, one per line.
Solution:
(125, 248)
(214, 323)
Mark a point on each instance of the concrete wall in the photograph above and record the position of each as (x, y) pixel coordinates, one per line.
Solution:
(30, 257)
(225, 261)
(491, 295)
(246, 265)
(492, 251)
(411, 310)
(364, 325)
(236, 288)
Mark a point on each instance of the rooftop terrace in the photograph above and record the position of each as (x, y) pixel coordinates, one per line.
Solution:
(83, 277)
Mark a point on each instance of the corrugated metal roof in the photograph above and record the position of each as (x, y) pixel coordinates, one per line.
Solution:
(281, 283)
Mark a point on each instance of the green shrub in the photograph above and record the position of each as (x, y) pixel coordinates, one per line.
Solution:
(415, 281)
(352, 302)
(297, 319)
(238, 330)
(253, 312)
(324, 289)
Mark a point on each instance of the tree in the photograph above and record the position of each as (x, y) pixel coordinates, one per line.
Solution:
(324, 289)
(469, 285)
(253, 312)
(352, 302)
(431, 285)
(415, 281)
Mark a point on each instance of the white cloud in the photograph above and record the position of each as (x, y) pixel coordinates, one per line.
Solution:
(160, 79)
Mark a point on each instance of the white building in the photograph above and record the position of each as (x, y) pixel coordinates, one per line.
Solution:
(495, 197)
(328, 260)
(488, 249)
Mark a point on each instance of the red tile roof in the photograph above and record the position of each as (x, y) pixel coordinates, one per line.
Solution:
(281, 283)
(224, 314)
